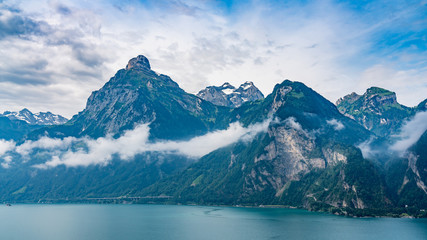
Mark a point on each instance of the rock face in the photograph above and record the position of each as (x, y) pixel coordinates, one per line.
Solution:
(377, 110)
(41, 118)
(140, 62)
(228, 96)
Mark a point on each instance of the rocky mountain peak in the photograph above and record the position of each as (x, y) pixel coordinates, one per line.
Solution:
(247, 85)
(377, 110)
(350, 98)
(227, 85)
(376, 97)
(227, 95)
(138, 62)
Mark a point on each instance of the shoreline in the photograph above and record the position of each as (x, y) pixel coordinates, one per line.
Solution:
(344, 212)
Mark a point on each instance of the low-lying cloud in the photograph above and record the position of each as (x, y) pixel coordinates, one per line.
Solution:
(292, 123)
(337, 125)
(410, 132)
(73, 152)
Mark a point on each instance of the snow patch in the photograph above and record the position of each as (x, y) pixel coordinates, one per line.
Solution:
(227, 91)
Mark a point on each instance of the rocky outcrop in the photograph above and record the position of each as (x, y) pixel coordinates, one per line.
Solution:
(140, 62)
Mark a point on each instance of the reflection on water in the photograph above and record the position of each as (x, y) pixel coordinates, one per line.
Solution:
(66, 222)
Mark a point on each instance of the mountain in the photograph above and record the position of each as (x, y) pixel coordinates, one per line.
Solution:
(404, 171)
(406, 176)
(306, 158)
(227, 95)
(137, 95)
(296, 149)
(41, 118)
(377, 110)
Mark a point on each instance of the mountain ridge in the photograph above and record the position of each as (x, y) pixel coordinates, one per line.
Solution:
(308, 155)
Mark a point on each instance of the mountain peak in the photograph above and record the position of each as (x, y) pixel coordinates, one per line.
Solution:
(25, 110)
(379, 91)
(350, 98)
(227, 95)
(246, 85)
(227, 85)
(377, 110)
(138, 62)
(376, 97)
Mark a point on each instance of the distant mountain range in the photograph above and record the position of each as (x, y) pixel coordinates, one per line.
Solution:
(41, 118)
(141, 138)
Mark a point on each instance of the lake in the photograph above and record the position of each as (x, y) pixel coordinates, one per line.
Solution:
(122, 222)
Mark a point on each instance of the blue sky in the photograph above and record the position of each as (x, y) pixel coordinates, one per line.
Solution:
(53, 54)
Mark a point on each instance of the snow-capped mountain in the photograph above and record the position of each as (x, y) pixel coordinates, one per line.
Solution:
(41, 118)
(229, 96)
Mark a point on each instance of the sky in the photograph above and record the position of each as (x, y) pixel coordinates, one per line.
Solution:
(53, 54)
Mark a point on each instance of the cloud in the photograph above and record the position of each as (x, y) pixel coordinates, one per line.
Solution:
(369, 151)
(73, 152)
(410, 132)
(5, 147)
(337, 125)
(291, 122)
(12, 23)
(7, 162)
(45, 143)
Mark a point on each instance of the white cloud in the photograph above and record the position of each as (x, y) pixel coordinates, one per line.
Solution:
(292, 122)
(102, 150)
(7, 161)
(337, 125)
(6, 146)
(46, 143)
(368, 151)
(410, 132)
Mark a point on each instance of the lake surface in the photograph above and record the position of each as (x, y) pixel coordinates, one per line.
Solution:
(122, 222)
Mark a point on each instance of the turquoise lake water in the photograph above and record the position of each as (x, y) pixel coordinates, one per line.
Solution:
(122, 222)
